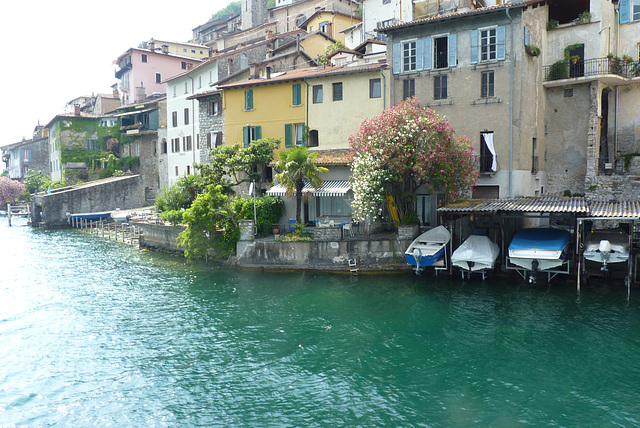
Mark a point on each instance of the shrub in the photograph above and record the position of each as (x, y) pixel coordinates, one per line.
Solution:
(269, 209)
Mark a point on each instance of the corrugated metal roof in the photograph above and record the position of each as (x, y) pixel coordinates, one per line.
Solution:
(328, 188)
(548, 204)
(620, 209)
(555, 204)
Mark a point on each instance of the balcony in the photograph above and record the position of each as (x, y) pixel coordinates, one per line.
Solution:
(612, 71)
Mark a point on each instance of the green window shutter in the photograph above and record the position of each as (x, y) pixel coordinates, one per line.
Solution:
(296, 94)
(288, 135)
(245, 136)
(257, 132)
(248, 99)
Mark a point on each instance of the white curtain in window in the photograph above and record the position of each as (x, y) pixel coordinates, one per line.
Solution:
(488, 139)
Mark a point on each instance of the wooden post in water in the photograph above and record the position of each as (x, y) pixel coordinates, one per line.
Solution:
(9, 213)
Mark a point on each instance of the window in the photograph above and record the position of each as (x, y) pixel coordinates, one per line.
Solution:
(177, 171)
(158, 78)
(244, 61)
(186, 116)
(534, 156)
(188, 170)
(323, 27)
(423, 209)
(386, 1)
(93, 145)
(487, 87)
(441, 52)
(26, 156)
(408, 88)
(143, 57)
(163, 148)
(296, 94)
(248, 99)
(174, 90)
(317, 94)
(488, 44)
(214, 108)
(374, 88)
(186, 143)
(337, 91)
(488, 159)
(175, 145)
(629, 11)
(186, 87)
(199, 81)
(332, 206)
(439, 87)
(409, 56)
(294, 134)
(250, 134)
(183, 65)
(174, 119)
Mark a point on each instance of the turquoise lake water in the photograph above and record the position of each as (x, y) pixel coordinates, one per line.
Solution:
(97, 333)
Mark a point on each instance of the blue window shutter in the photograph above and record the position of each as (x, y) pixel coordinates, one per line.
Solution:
(473, 42)
(397, 58)
(257, 132)
(245, 136)
(625, 11)
(288, 138)
(420, 54)
(501, 34)
(453, 50)
(428, 53)
(527, 36)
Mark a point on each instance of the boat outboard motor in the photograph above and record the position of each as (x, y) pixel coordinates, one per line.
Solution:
(417, 254)
(605, 249)
(534, 269)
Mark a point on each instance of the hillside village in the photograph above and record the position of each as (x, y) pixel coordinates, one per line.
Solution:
(547, 90)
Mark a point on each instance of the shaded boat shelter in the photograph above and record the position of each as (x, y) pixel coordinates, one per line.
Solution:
(499, 219)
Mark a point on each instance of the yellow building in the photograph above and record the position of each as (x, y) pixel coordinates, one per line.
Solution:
(270, 107)
(330, 23)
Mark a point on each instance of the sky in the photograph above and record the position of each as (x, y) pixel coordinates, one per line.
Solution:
(58, 50)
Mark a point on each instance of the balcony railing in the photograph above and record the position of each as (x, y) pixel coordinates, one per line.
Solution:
(588, 67)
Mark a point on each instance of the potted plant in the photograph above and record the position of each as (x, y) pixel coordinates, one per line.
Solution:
(574, 59)
(553, 23)
(584, 17)
(627, 59)
(615, 65)
(532, 50)
(636, 68)
(609, 56)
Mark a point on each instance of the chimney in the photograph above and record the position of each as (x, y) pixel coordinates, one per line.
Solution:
(269, 34)
(268, 72)
(76, 109)
(165, 49)
(254, 72)
(152, 45)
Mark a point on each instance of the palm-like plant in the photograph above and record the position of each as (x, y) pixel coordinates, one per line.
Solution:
(295, 165)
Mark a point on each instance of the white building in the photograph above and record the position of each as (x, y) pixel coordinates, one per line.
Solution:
(183, 141)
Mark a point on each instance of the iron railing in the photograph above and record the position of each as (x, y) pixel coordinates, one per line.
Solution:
(589, 67)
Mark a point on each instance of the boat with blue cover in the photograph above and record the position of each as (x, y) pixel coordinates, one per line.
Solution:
(542, 249)
(81, 217)
(428, 249)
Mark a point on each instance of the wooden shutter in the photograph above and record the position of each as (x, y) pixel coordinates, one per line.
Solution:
(473, 42)
(453, 50)
(288, 137)
(501, 35)
(625, 11)
(397, 58)
(245, 136)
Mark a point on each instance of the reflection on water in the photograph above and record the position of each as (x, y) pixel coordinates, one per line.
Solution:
(98, 333)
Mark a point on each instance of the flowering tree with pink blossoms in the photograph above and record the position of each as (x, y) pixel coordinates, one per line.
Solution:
(404, 148)
(10, 190)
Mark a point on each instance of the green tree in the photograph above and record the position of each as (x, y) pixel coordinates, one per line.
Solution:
(269, 209)
(232, 9)
(406, 147)
(173, 200)
(295, 165)
(324, 60)
(211, 224)
(36, 181)
(232, 165)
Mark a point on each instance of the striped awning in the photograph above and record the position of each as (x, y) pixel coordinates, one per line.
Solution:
(328, 188)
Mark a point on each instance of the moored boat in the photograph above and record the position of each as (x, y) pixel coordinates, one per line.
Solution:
(607, 246)
(81, 217)
(428, 249)
(477, 254)
(541, 249)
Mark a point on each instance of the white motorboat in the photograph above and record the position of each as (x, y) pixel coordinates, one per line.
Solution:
(540, 250)
(607, 246)
(477, 254)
